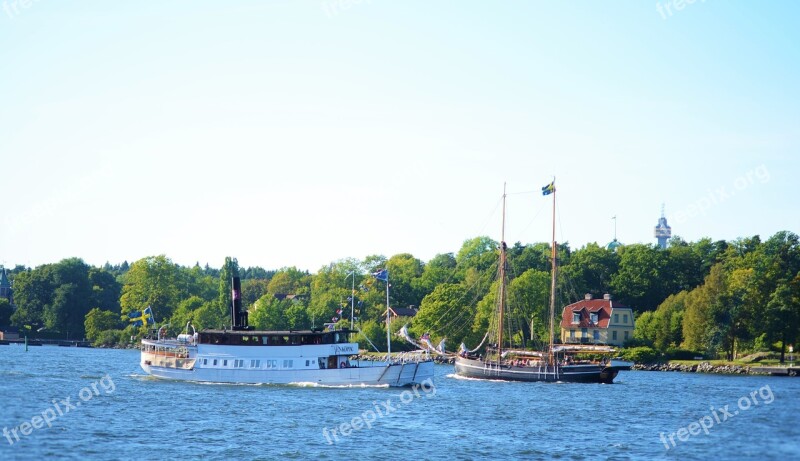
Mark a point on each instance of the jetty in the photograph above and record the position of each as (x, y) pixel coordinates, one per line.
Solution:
(48, 342)
(790, 370)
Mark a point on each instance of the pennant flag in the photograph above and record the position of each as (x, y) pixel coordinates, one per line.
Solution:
(382, 275)
(549, 189)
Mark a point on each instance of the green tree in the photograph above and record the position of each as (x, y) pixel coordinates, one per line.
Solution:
(529, 305)
(639, 283)
(268, 313)
(445, 313)
(105, 289)
(97, 321)
(229, 270)
(5, 313)
(152, 281)
(404, 273)
(590, 270)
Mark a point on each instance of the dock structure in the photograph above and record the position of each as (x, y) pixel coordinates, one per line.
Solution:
(792, 370)
(48, 342)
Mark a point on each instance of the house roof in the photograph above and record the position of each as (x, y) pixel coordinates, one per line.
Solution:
(602, 307)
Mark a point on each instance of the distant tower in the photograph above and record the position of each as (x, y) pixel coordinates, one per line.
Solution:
(614, 243)
(5, 287)
(663, 231)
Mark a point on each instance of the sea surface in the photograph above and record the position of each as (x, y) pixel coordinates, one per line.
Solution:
(99, 404)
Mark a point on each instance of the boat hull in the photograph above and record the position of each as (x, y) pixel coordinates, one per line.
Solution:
(369, 374)
(579, 373)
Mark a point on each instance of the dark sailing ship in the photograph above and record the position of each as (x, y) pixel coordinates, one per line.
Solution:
(555, 362)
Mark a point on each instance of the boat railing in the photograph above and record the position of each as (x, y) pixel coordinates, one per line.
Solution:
(410, 357)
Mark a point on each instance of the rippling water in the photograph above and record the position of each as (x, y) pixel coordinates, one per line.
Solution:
(127, 415)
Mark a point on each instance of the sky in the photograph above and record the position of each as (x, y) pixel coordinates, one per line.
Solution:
(298, 133)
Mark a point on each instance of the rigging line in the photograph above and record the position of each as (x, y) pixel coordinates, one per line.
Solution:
(538, 212)
(470, 290)
(491, 215)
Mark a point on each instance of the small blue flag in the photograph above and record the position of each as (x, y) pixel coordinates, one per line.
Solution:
(549, 189)
(382, 275)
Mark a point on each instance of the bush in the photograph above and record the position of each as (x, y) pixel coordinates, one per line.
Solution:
(675, 353)
(107, 338)
(642, 354)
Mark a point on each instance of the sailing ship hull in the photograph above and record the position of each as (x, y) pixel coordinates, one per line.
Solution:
(578, 373)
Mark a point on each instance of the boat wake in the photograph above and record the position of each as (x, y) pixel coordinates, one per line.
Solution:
(467, 378)
(338, 386)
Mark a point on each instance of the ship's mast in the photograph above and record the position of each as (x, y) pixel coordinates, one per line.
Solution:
(551, 358)
(502, 293)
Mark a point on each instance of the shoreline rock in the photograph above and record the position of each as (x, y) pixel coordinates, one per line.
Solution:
(702, 367)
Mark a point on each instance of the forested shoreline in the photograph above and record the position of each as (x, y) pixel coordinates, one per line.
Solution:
(719, 299)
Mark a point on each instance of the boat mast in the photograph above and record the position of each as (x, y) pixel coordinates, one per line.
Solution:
(502, 293)
(352, 298)
(388, 321)
(551, 358)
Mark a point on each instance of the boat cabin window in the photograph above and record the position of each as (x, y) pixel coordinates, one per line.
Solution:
(291, 339)
(321, 361)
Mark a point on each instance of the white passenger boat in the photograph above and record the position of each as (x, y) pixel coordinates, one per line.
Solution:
(242, 355)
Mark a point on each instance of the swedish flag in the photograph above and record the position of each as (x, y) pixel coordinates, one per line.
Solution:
(549, 189)
(142, 318)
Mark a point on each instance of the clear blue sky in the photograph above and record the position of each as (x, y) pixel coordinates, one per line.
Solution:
(296, 133)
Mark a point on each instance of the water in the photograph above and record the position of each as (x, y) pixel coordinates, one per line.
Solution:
(128, 415)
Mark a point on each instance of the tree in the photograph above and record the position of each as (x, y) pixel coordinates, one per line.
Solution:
(268, 313)
(640, 281)
(529, 305)
(97, 321)
(404, 273)
(32, 292)
(105, 289)
(152, 281)
(229, 270)
(445, 313)
(5, 313)
(591, 270)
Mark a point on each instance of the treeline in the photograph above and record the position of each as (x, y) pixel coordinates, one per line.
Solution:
(712, 297)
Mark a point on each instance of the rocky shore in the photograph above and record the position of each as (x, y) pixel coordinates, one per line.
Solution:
(702, 367)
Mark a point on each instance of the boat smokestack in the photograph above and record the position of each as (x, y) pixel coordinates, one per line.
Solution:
(238, 315)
